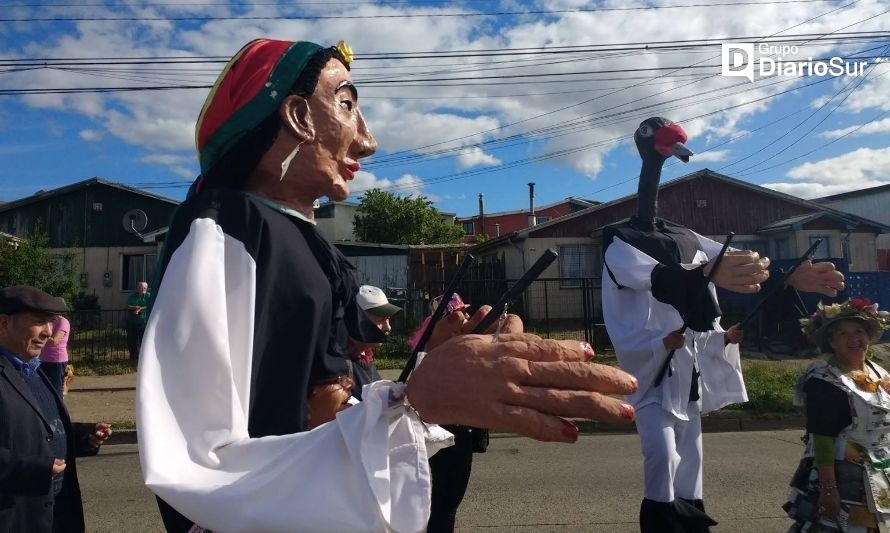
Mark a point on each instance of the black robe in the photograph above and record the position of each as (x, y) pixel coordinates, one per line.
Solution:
(304, 307)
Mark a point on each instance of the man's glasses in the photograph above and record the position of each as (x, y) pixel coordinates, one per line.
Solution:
(345, 382)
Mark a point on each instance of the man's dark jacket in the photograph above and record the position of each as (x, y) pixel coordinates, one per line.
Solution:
(26, 503)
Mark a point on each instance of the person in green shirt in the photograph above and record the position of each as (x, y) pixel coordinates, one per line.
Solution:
(137, 303)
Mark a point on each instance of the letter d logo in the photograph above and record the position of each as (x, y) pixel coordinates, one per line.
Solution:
(737, 59)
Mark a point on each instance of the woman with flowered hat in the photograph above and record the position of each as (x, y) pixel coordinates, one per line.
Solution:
(842, 481)
(253, 303)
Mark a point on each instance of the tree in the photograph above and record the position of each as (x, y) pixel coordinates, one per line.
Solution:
(29, 262)
(386, 218)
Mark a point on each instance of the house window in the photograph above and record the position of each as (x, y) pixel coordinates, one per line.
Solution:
(469, 228)
(577, 261)
(782, 249)
(543, 218)
(761, 247)
(824, 249)
(136, 268)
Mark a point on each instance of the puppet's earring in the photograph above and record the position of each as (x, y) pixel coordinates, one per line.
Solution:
(286, 163)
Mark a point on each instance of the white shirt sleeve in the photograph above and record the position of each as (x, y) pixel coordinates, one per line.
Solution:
(637, 323)
(365, 471)
(721, 373)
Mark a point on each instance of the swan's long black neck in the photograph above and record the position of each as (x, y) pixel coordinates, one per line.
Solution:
(647, 192)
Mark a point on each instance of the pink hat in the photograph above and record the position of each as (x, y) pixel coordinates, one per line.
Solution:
(454, 305)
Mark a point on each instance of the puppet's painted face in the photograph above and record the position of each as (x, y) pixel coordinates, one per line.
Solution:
(341, 135)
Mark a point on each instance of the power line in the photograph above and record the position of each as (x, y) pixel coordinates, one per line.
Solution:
(808, 20)
(461, 175)
(544, 156)
(615, 92)
(819, 123)
(283, 4)
(405, 15)
(453, 81)
(204, 4)
(647, 46)
(821, 146)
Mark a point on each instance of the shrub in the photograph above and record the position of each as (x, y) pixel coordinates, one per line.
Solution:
(770, 386)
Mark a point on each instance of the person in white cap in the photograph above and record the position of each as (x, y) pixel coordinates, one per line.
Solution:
(373, 301)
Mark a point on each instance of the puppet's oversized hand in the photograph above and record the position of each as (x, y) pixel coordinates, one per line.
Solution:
(457, 323)
(741, 271)
(519, 384)
(817, 277)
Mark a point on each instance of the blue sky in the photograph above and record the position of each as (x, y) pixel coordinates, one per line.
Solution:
(464, 97)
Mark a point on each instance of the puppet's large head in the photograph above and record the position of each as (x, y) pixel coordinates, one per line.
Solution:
(657, 139)
(295, 98)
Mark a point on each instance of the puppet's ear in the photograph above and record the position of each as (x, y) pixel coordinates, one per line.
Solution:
(296, 118)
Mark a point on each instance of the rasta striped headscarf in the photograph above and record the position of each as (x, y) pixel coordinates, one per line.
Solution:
(250, 88)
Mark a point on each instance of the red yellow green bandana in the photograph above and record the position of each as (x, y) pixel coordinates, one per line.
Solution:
(249, 89)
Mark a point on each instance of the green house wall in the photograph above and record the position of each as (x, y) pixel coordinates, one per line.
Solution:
(90, 216)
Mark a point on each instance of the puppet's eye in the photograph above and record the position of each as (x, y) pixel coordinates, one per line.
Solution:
(645, 130)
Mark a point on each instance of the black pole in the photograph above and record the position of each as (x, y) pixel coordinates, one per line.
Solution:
(516, 290)
(437, 315)
(667, 362)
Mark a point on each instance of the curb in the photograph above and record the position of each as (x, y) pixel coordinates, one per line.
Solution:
(102, 389)
(715, 423)
(121, 436)
(719, 423)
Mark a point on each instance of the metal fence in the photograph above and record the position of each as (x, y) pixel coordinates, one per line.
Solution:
(98, 335)
(551, 308)
(555, 308)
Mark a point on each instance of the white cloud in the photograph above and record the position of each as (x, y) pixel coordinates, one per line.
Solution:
(91, 135)
(399, 129)
(576, 119)
(405, 185)
(881, 126)
(167, 159)
(143, 129)
(873, 92)
(475, 157)
(713, 155)
(178, 165)
(856, 170)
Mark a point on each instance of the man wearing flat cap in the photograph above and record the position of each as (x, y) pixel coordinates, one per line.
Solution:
(38, 442)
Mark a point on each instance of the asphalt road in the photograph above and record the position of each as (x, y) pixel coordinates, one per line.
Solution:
(520, 485)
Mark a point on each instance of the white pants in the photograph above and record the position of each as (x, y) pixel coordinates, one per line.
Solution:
(672, 453)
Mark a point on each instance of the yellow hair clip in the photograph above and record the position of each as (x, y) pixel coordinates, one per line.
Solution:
(345, 51)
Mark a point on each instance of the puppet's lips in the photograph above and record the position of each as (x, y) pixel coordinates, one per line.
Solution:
(352, 168)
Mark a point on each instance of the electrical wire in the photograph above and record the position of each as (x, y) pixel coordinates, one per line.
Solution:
(398, 16)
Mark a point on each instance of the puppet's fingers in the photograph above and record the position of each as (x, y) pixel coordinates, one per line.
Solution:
(563, 375)
(477, 317)
(574, 404)
(533, 424)
(534, 348)
(743, 288)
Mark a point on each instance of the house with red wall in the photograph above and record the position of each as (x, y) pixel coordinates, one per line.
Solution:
(493, 225)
